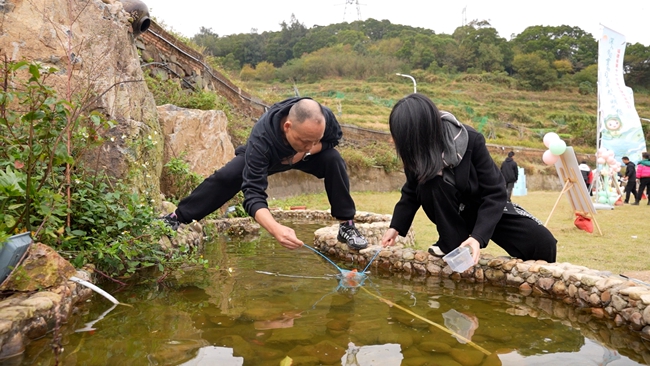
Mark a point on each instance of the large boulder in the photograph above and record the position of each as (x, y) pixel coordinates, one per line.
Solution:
(202, 136)
(92, 46)
(42, 268)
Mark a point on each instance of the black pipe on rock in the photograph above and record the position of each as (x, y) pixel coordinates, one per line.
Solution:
(140, 14)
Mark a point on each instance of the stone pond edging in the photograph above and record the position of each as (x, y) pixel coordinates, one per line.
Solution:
(601, 294)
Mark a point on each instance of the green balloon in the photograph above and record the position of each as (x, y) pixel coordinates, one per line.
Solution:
(557, 147)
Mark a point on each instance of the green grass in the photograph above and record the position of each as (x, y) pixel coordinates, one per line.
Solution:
(622, 247)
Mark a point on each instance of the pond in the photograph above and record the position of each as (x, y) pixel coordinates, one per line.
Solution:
(265, 304)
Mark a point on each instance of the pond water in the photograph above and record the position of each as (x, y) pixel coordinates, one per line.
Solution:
(265, 303)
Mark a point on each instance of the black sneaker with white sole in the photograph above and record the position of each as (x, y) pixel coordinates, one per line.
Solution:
(171, 220)
(349, 234)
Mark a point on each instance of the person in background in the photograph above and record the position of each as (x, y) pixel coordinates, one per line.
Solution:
(587, 175)
(630, 179)
(510, 173)
(450, 174)
(643, 173)
(297, 133)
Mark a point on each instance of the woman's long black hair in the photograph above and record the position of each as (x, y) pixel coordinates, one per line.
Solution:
(417, 131)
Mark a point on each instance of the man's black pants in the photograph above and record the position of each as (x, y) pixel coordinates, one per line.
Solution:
(226, 182)
(630, 187)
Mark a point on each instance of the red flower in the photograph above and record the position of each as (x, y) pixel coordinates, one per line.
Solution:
(19, 164)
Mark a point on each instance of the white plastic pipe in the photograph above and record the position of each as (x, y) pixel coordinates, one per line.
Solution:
(95, 288)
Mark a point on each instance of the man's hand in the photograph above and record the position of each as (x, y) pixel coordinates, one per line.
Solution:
(474, 246)
(389, 238)
(286, 236)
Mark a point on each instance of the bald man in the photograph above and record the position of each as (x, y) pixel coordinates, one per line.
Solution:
(297, 133)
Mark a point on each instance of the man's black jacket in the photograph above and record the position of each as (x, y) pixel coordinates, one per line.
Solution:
(630, 172)
(509, 170)
(267, 147)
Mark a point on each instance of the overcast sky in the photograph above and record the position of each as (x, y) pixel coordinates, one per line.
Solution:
(628, 17)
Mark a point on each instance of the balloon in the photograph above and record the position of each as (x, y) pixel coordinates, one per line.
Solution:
(602, 151)
(548, 158)
(602, 199)
(550, 137)
(601, 161)
(557, 147)
(611, 161)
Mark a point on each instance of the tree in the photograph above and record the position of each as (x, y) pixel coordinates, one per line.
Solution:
(315, 39)
(636, 65)
(264, 71)
(533, 71)
(479, 47)
(561, 43)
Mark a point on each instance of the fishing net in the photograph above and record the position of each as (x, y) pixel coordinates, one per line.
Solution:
(351, 278)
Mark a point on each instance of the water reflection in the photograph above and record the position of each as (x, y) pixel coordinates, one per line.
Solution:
(211, 355)
(377, 355)
(260, 303)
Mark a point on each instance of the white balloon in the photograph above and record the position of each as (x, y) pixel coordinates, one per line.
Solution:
(550, 137)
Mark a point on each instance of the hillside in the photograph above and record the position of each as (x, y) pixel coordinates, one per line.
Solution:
(505, 115)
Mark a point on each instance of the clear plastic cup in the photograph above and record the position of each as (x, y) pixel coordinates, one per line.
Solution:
(459, 259)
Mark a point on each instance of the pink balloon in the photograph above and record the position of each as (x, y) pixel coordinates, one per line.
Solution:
(548, 158)
(611, 160)
(601, 160)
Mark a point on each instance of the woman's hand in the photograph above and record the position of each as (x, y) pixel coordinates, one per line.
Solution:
(389, 238)
(474, 246)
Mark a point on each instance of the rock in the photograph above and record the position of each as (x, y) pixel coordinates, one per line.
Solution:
(635, 293)
(239, 345)
(467, 357)
(545, 283)
(559, 288)
(42, 268)
(494, 275)
(492, 360)
(38, 303)
(204, 131)
(327, 352)
(37, 328)
(299, 335)
(5, 326)
(12, 346)
(646, 315)
(434, 347)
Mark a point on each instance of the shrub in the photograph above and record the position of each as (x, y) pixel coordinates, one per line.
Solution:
(47, 190)
(170, 92)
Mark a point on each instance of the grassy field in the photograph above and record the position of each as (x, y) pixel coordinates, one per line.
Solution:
(623, 247)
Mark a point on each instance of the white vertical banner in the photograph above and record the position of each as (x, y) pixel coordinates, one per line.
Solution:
(618, 121)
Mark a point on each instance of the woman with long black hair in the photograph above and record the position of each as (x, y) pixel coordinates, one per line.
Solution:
(449, 172)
